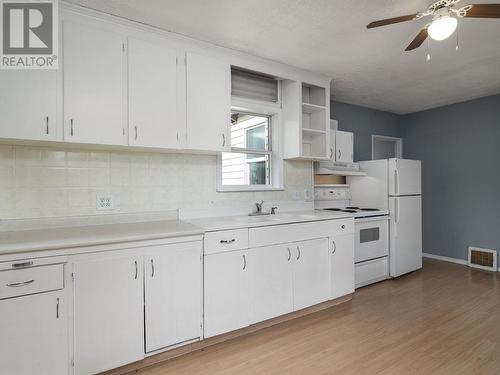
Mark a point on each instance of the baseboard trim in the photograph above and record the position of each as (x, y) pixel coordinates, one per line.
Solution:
(448, 259)
(445, 259)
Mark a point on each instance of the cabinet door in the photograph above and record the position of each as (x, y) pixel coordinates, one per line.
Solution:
(342, 265)
(344, 142)
(208, 103)
(271, 282)
(28, 104)
(93, 85)
(34, 335)
(311, 273)
(333, 141)
(152, 93)
(226, 292)
(109, 314)
(172, 294)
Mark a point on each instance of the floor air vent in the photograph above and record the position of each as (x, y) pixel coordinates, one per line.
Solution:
(484, 259)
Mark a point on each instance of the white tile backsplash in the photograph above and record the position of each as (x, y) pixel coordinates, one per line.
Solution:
(53, 182)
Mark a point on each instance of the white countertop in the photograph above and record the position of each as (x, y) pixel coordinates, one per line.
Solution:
(70, 237)
(245, 221)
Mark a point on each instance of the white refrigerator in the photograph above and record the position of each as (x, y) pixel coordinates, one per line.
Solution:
(396, 185)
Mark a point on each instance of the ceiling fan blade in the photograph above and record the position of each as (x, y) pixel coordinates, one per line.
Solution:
(484, 11)
(390, 21)
(419, 39)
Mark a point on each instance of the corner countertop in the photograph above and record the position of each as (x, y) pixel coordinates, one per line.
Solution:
(92, 235)
(244, 221)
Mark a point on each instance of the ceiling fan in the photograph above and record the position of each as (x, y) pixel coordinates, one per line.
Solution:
(444, 19)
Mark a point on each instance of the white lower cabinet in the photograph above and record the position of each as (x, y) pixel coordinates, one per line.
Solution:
(311, 273)
(172, 275)
(342, 265)
(34, 335)
(271, 282)
(108, 313)
(226, 302)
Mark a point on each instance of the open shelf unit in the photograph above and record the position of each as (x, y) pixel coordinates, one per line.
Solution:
(306, 111)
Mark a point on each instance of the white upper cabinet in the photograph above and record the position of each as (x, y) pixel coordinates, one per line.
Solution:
(93, 85)
(344, 145)
(208, 104)
(172, 274)
(28, 104)
(311, 272)
(152, 95)
(109, 313)
(342, 265)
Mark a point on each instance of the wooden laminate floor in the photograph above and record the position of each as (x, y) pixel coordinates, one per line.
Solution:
(444, 319)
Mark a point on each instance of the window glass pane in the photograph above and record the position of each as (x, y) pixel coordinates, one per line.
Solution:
(250, 131)
(245, 169)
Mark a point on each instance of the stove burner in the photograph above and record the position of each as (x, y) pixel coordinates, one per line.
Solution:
(333, 209)
(370, 209)
(352, 211)
(352, 208)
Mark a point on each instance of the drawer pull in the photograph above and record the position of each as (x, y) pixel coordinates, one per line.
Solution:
(244, 262)
(227, 242)
(23, 264)
(57, 309)
(136, 270)
(289, 254)
(24, 283)
(298, 253)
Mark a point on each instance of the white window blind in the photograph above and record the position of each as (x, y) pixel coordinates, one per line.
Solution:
(252, 85)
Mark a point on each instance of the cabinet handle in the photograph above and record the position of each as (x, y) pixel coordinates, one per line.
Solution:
(71, 130)
(396, 182)
(331, 153)
(24, 283)
(136, 270)
(298, 253)
(227, 242)
(340, 153)
(23, 264)
(244, 262)
(334, 247)
(289, 254)
(57, 309)
(135, 127)
(223, 140)
(152, 268)
(47, 125)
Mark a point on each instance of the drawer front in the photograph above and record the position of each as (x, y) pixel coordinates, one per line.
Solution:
(371, 271)
(225, 240)
(276, 234)
(14, 283)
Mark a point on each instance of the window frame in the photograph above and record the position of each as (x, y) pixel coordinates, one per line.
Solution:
(273, 110)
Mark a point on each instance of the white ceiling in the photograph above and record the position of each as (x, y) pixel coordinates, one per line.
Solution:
(369, 67)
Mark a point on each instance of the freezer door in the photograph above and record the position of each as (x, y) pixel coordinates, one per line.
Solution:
(405, 177)
(405, 247)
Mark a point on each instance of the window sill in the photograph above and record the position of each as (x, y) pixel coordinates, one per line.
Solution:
(244, 188)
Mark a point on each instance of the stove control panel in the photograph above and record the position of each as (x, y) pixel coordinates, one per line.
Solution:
(331, 193)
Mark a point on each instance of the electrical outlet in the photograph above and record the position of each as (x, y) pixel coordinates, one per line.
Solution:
(104, 202)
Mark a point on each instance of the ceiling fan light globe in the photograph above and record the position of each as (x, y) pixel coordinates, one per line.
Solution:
(442, 28)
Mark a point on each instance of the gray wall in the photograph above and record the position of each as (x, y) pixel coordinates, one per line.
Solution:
(364, 122)
(459, 146)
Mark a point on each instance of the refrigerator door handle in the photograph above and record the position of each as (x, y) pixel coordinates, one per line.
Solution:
(396, 182)
(396, 211)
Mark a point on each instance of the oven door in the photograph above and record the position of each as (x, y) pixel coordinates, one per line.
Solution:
(371, 238)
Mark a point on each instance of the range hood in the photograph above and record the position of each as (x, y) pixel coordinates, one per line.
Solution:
(338, 168)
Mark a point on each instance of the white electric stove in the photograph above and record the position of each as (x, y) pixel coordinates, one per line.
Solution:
(371, 247)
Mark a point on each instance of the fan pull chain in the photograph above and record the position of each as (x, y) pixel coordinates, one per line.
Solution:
(428, 57)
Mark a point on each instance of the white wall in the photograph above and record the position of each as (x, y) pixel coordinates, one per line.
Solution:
(53, 182)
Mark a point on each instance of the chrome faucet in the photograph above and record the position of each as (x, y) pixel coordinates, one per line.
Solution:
(259, 207)
(258, 210)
